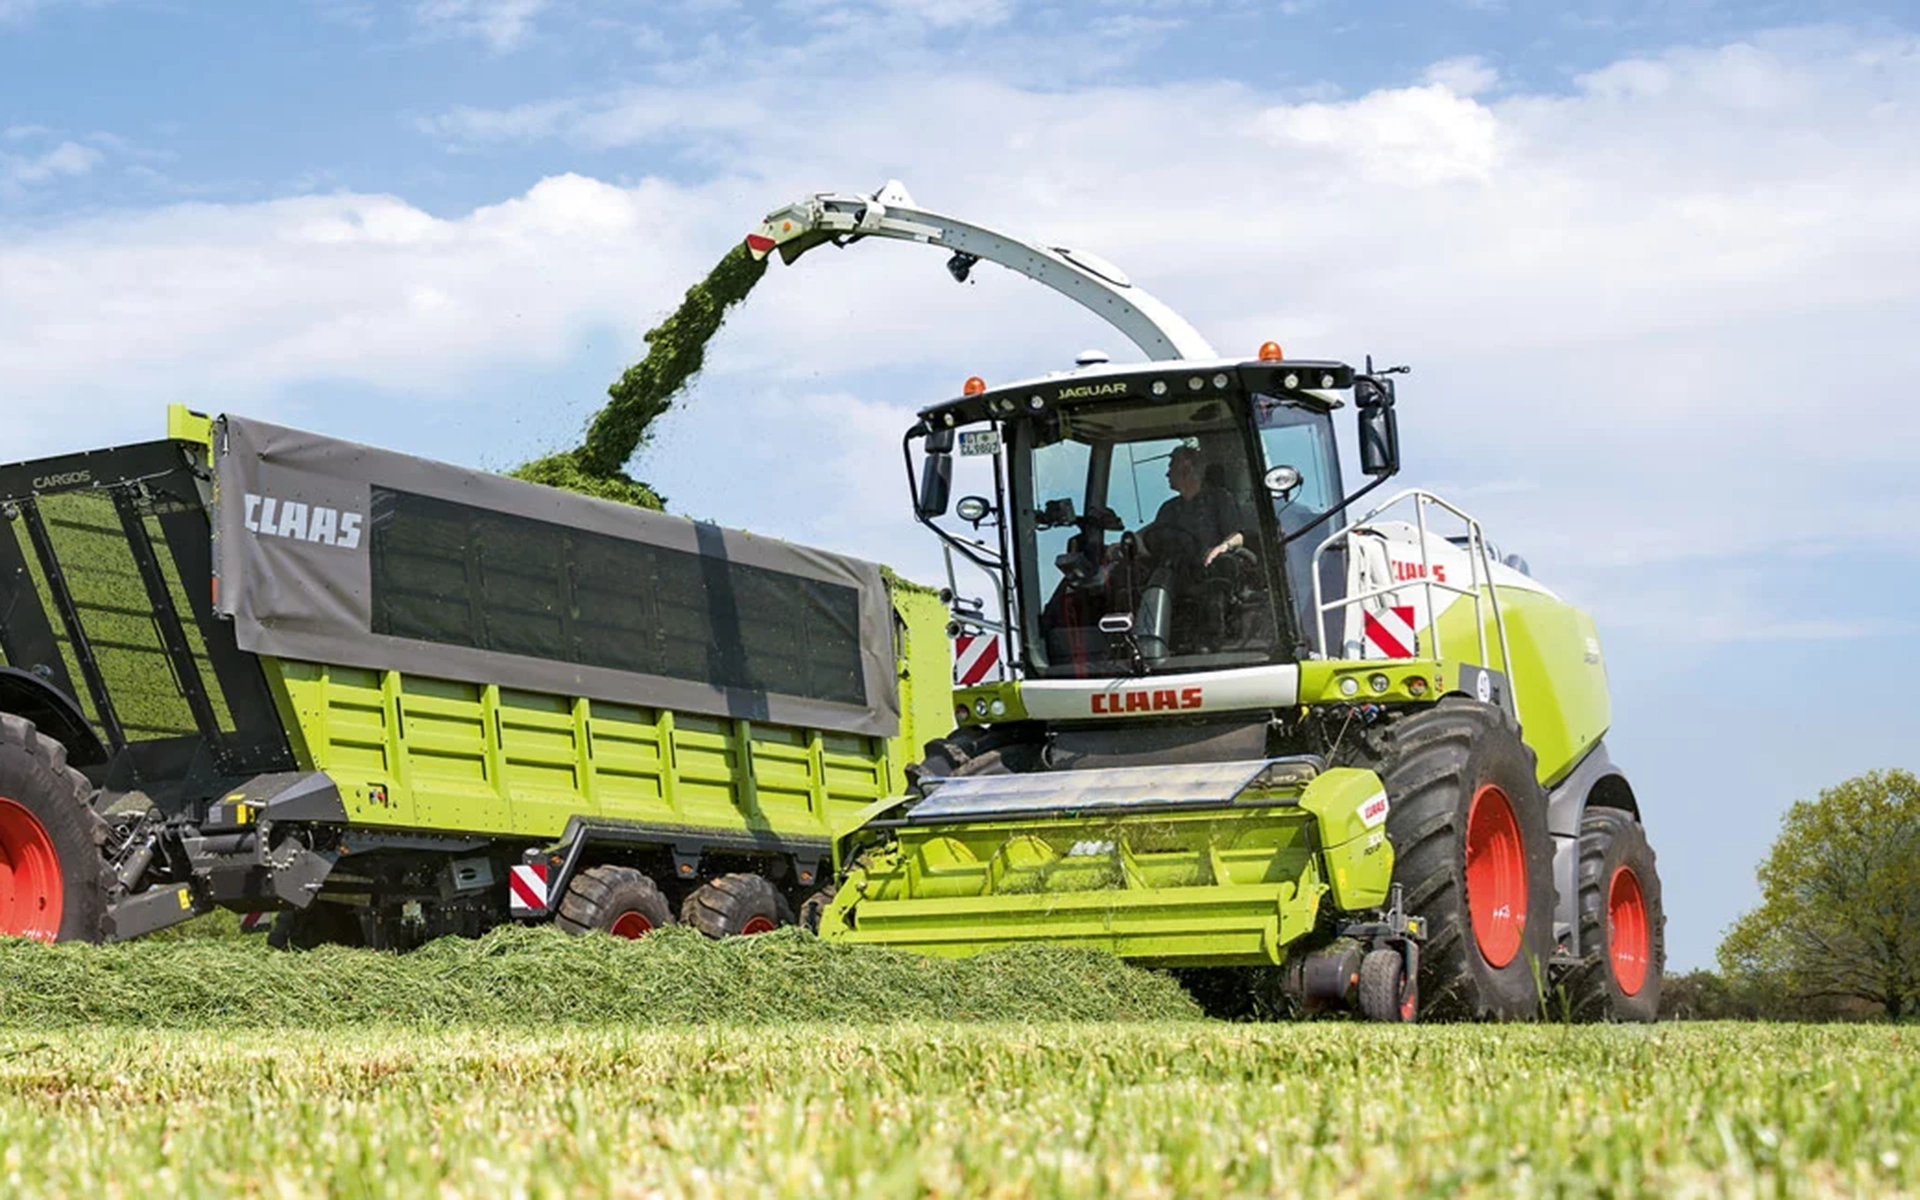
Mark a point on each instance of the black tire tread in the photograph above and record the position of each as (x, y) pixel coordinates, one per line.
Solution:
(1383, 976)
(815, 906)
(1426, 776)
(722, 906)
(1593, 994)
(597, 897)
(65, 797)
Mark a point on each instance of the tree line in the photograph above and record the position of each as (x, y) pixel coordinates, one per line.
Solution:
(1836, 935)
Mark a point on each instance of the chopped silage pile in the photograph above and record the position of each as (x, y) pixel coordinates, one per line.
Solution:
(537, 977)
(676, 350)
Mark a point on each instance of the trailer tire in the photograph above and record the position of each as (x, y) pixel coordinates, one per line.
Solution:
(617, 900)
(815, 907)
(1473, 858)
(734, 905)
(51, 857)
(322, 923)
(1622, 922)
(1386, 994)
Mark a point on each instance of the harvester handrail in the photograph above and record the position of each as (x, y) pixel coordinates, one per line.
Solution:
(1478, 557)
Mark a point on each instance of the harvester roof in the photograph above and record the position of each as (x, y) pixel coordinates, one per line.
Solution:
(1312, 381)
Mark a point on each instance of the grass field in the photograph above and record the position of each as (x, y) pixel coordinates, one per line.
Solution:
(1157, 1109)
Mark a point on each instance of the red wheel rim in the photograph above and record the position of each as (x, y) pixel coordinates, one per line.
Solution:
(1496, 876)
(1627, 930)
(32, 896)
(757, 925)
(631, 924)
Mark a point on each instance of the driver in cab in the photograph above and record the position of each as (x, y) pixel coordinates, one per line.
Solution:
(1202, 520)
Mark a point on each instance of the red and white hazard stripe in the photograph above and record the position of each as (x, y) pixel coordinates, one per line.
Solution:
(975, 656)
(1391, 632)
(254, 922)
(527, 890)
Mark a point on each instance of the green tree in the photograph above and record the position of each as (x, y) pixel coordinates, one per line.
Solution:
(1839, 918)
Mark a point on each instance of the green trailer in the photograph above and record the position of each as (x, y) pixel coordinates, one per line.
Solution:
(386, 699)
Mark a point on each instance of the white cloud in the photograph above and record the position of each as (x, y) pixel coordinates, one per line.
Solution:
(502, 24)
(65, 161)
(1467, 76)
(1677, 298)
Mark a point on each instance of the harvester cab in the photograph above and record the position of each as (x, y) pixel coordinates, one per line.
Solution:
(1231, 719)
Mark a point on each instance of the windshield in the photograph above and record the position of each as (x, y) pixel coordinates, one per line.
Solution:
(1148, 513)
(1302, 438)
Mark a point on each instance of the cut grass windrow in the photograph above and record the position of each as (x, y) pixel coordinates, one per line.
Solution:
(539, 977)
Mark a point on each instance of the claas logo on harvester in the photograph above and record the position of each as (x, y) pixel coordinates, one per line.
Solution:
(1107, 704)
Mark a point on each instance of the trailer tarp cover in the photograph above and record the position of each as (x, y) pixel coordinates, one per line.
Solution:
(333, 552)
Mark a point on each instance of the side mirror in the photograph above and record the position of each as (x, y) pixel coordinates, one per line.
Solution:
(936, 475)
(1379, 427)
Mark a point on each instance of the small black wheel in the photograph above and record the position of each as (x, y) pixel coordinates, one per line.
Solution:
(322, 923)
(733, 905)
(53, 877)
(1622, 922)
(1386, 994)
(616, 900)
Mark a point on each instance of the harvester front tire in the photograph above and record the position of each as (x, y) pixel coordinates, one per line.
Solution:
(54, 880)
(1622, 923)
(733, 905)
(1472, 854)
(617, 900)
(1386, 994)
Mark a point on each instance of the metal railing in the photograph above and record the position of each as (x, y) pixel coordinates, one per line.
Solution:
(1478, 557)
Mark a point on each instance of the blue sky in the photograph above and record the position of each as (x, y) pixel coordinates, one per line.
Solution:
(1655, 265)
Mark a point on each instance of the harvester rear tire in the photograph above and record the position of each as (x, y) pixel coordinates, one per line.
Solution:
(322, 923)
(617, 900)
(1622, 923)
(1473, 857)
(1386, 994)
(54, 880)
(733, 905)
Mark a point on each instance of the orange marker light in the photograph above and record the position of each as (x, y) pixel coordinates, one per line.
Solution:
(1270, 352)
(974, 386)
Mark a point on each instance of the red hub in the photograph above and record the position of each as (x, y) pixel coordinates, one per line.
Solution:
(757, 925)
(631, 924)
(32, 896)
(1627, 930)
(1496, 876)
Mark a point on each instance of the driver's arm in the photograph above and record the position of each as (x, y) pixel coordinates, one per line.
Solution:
(1233, 517)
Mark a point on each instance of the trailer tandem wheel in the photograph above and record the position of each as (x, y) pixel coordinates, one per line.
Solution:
(613, 899)
(1468, 825)
(736, 904)
(53, 877)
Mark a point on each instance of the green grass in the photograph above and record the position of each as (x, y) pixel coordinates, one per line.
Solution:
(537, 977)
(909, 1109)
